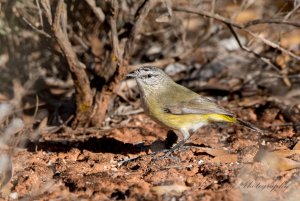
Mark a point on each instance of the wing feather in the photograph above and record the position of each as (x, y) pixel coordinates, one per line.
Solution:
(199, 105)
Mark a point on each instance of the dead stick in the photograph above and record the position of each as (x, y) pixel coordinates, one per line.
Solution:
(235, 25)
(141, 14)
(97, 10)
(119, 58)
(83, 91)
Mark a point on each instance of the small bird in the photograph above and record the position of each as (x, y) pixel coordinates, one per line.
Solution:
(177, 107)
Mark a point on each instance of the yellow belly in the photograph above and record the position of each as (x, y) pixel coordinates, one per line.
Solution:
(182, 121)
(189, 121)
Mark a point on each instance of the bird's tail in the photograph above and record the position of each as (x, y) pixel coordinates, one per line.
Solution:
(231, 119)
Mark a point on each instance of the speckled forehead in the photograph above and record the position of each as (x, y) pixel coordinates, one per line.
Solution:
(146, 69)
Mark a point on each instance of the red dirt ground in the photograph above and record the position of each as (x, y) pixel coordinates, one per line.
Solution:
(219, 163)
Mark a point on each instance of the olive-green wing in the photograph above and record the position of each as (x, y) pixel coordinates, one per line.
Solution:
(202, 105)
(199, 105)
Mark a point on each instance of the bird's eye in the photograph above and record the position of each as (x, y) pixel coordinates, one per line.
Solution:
(149, 75)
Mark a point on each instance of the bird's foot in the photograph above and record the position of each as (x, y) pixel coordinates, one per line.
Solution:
(167, 154)
(157, 155)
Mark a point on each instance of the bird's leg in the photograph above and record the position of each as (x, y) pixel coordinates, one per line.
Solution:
(186, 136)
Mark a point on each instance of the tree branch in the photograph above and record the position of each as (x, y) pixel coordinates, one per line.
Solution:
(235, 25)
(83, 93)
(270, 21)
(141, 14)
(119, 58)
(97, 10)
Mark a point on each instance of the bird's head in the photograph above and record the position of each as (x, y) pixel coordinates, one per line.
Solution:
(149, 76)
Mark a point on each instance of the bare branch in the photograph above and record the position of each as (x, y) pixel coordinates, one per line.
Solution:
(270, 21)
(228, 21)
(40, 12)
(212, 10)
(104, 97)
(272, 44)
(35, 28)
(97, 10)
(232, 24)
(142, 13)
(119, 58)
(264, 59)
(208, 14)
(58, 13)
(47, 9)
(157, 63)
(83, 91)
(114, 34)
(292, 12)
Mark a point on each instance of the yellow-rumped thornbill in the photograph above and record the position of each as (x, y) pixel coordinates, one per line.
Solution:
(177, 107)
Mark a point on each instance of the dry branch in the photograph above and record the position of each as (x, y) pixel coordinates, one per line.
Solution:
(97, 10)
(270, 21)
(246, 49)
(238, 26)
(207, 14)
(105, 96)
(47, 9)
(231, 25)
(119, 58)
(157, 63)
(35, 28)
(83, 93)
(274, 45)
(142, 13)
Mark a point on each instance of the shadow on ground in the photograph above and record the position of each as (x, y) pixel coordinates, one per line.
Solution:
(101, 145)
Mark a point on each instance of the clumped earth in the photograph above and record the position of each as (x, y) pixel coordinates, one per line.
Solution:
(218, 163)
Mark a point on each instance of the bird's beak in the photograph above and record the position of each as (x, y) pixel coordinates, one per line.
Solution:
(131, 75)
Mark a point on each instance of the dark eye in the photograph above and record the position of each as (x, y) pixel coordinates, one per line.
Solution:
(149, 75)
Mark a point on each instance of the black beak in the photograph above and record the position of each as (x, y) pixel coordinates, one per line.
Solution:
(131, 75)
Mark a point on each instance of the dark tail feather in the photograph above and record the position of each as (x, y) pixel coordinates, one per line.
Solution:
(248, 125)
